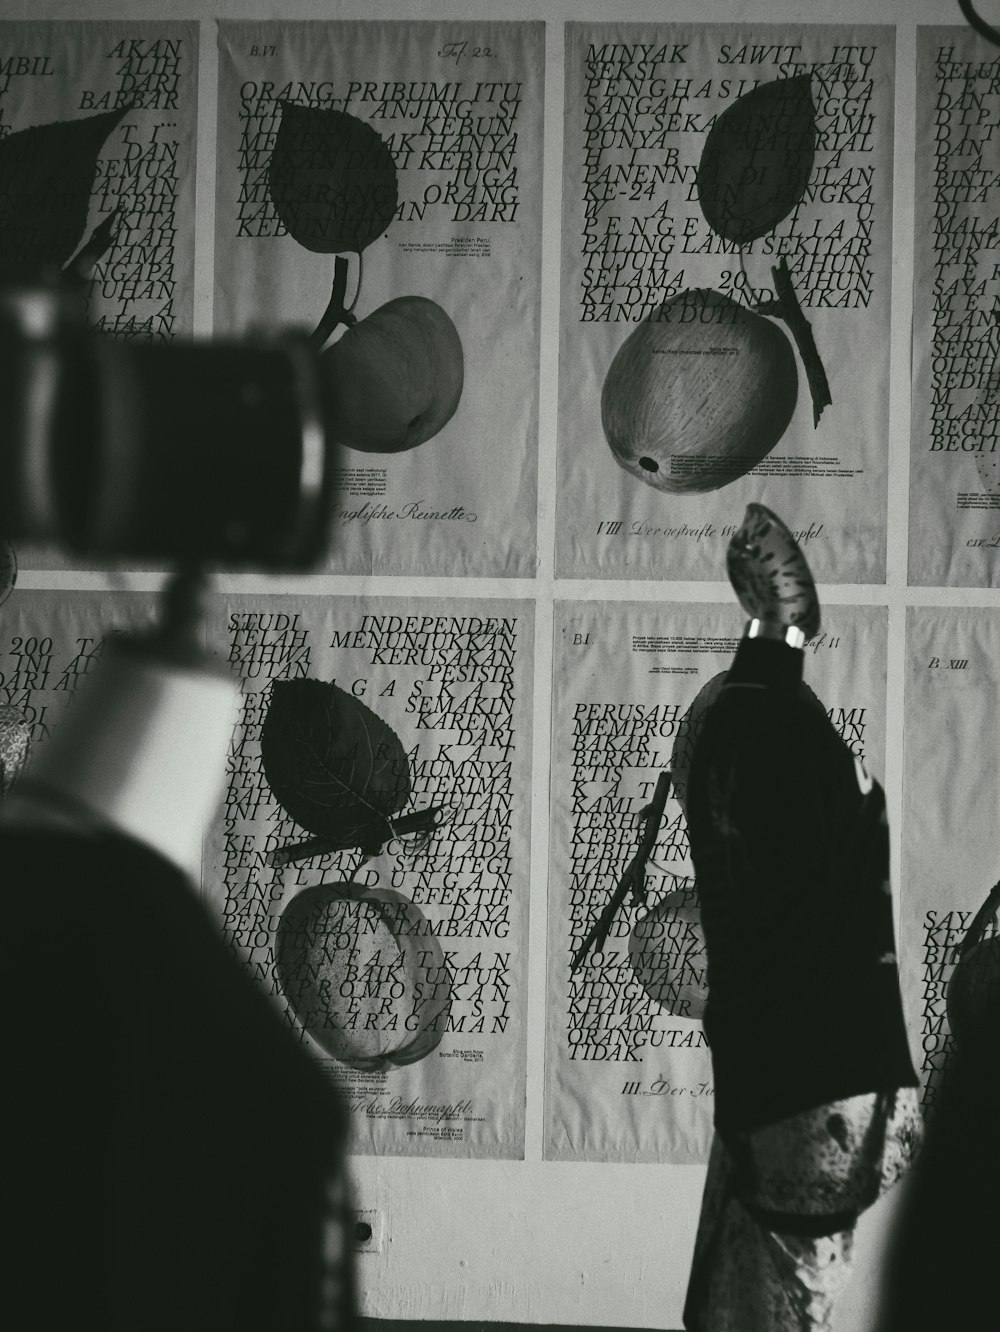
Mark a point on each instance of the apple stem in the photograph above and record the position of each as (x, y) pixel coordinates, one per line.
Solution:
(786, 307)
(634, 877)
(336, 313)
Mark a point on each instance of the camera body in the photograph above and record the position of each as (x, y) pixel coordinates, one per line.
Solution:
(210, 452)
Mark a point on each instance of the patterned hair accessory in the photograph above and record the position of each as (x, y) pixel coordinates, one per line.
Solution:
(770, 575)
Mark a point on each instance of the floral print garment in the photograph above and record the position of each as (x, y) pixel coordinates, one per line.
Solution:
(775, 1238)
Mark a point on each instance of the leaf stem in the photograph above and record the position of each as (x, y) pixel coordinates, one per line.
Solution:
(786, 307)
(336, 312)
(97, 245)
(421, 820)
(634, 876)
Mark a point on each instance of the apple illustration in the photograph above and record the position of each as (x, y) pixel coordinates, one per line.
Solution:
(394, 378)
(363, 974)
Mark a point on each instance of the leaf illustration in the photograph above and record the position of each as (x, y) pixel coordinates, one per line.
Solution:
(332, 179)
(331, 763)
(46, 176)
(756, 160)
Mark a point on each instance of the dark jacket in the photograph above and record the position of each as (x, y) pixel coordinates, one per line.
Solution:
(790, 846)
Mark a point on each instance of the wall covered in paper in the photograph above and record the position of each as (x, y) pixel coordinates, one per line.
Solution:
(582, 285)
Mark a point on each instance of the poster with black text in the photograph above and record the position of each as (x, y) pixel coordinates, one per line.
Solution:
(97, 146)
(370, 861)
(954, 458)
(628, 1068)
(379, 190)
(951, 794)
(51, 646)
(726, 272)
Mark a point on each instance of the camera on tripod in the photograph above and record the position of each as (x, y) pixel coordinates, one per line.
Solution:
(178, 452)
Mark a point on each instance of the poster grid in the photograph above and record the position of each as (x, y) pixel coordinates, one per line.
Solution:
(711, 566)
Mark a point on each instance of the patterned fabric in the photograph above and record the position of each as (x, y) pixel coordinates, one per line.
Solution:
(774, 1242)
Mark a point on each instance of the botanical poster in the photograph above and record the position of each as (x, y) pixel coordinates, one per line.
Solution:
(726, 266)
(628, 1068)
(370, 860)
(379, 190)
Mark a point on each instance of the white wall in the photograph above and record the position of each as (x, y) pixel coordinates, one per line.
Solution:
(536, 1241)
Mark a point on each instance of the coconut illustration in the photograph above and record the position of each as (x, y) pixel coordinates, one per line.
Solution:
(699, 393)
